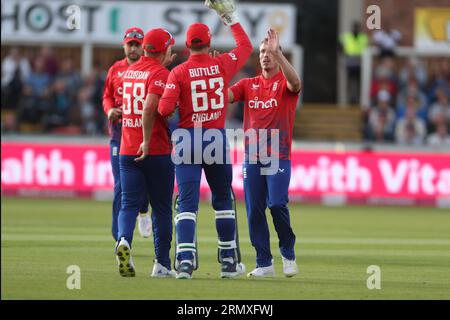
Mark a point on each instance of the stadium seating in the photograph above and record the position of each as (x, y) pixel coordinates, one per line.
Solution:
(326, 122)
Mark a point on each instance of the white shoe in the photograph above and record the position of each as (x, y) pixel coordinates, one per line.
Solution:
(159, 271)
(290, 267)
(231, 269)
(262, 272)
(124, 259)
(145, 225)
(241, 268)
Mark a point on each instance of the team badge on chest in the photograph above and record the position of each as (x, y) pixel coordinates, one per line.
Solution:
(275, 86)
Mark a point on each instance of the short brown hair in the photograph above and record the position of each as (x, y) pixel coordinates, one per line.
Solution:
(199, 47)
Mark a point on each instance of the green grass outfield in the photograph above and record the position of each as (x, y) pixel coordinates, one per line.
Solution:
(335, 245)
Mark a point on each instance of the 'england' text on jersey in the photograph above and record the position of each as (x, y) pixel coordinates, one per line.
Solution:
(132, 74)
(132, 123)
(202, 72)
(204, 117)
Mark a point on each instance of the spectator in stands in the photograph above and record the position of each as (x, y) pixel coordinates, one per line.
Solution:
(385, 79)
(439, 77)
(353, 44)
(381, 123)
(15, 69)
(410, 130)
(50, 60)
(36, 92)
(86, 111)
(98, 82)
(57, 114)
(71, 77)
(387, 40)
(413, 68)
(411, 94)
(441, 137)
(440, 110)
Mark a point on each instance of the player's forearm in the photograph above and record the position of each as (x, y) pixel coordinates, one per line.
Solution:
(292, 78)
(148, 119)
(230, 96)
(241, 38)
(108, 104)
(166, 107)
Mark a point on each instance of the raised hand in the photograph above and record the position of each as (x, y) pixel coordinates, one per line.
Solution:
(225, 9)
(273, 43)
(214, 54)
(168, 60)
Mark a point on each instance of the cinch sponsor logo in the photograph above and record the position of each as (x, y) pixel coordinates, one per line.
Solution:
(159, 84)
(257, 104)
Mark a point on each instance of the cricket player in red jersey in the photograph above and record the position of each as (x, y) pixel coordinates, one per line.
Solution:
(199, 86)
(270, 103)
(145, 132)
(112, 105)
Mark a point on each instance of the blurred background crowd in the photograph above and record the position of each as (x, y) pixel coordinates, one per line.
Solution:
(45, 94)
(44, 91)
(410, 98)
(409, 102)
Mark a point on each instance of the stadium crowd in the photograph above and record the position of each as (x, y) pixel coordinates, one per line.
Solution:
(48, 95)
(410, 102)
(44, 94)
(410, 98)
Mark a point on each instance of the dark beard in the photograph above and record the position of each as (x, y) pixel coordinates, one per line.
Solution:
(133, 59)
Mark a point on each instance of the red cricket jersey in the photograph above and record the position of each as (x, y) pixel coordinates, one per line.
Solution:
(143, 77)
(269, 104)
(112, 93)
(200, 85)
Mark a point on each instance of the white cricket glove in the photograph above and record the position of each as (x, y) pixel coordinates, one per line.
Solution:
(226, 9)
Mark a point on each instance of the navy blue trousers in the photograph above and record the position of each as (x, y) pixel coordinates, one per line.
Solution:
(262, 191)
(114, 148)
(219, 176)
(155, 174)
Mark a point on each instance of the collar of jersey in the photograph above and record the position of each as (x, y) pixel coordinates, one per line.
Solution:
(199, 57)
(269, 81)
(148, 59)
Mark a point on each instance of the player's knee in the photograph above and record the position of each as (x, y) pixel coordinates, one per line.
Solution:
(278, 206)
(222, 200)
(130, 204)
